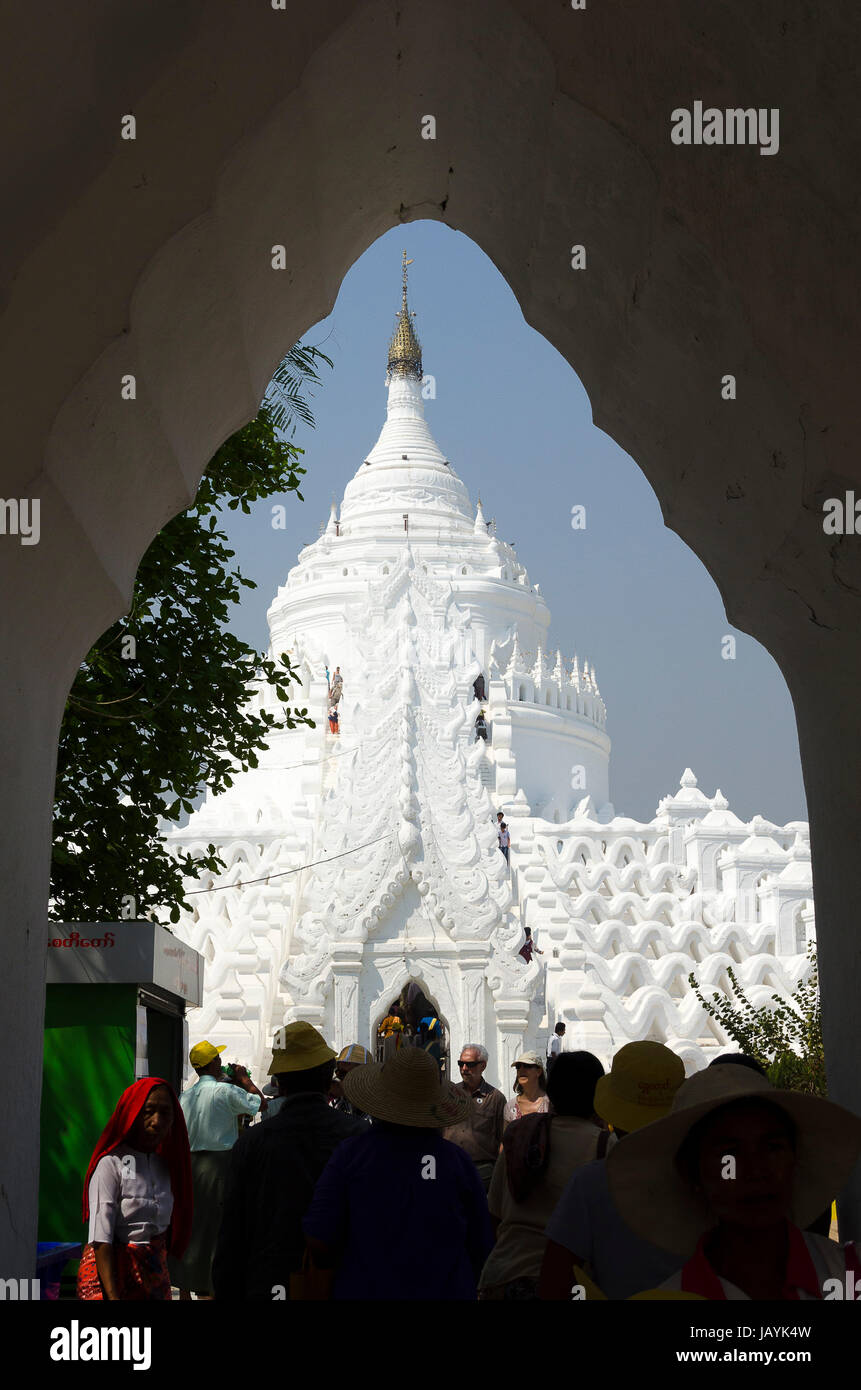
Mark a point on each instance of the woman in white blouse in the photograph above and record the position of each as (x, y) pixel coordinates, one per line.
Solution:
(137, 1197)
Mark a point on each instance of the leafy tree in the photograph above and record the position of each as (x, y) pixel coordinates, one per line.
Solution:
(786, 1040)
(160, 706)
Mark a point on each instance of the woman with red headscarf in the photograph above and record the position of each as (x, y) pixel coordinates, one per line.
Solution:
(137, 1197)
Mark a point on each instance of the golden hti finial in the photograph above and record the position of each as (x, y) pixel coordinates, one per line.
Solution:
(405, 352)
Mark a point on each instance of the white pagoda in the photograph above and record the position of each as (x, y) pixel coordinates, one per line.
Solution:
(363, 860)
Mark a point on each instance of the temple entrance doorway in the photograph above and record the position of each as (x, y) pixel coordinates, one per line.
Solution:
(412, 1019)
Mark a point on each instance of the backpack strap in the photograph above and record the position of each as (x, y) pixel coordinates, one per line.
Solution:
(601, 1146)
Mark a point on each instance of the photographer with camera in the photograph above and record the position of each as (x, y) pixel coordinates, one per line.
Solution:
(211, 1108)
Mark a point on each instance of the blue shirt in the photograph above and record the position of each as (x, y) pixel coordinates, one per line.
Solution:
(406, 1210)
(210, 1108)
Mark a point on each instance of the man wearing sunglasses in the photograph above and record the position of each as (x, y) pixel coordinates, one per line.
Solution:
(481, 1134)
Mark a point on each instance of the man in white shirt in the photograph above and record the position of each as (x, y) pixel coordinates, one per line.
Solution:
(211, 1108)
(504, 840)
(557, 1044)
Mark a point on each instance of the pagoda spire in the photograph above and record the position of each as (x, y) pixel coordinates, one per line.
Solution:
(405, 351)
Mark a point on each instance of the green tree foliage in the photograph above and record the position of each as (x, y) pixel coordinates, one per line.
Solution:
(786, 1040)
(161, 706)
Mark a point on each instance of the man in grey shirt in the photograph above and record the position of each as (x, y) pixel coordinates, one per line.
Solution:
(481, 1135)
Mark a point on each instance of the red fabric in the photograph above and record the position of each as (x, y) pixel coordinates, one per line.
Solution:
(175, 1150)
(141, 1270)
(699, 1277)
(800, 1269)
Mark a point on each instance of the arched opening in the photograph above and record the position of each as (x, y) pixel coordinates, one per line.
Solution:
(421, 1025)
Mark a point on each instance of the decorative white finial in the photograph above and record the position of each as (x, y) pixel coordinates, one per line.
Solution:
(719, 801)
(480, 527)
(331, 527)
(515, 665)
(688, 779)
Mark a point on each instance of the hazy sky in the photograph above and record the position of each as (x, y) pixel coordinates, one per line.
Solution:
(516, 424)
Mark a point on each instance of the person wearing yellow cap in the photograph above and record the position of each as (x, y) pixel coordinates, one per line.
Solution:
(273, 1170)
(586, 1229)
(211, 1108)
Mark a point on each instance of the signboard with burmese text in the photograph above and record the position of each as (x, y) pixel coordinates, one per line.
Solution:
(141, 953)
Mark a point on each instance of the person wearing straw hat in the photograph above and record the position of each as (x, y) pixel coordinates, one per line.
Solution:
(730, 1178)
(350, 1057)
(587, 1230)
(401, 1187)
(273, 1169)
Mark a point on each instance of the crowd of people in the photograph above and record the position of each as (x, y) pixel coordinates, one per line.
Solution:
(634, 1183)
(411, 1020)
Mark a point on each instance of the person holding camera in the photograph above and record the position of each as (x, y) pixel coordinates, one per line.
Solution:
(211, 1108)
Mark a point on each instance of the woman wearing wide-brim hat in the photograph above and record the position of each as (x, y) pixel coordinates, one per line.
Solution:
(731, 1177)
(401, 1190)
